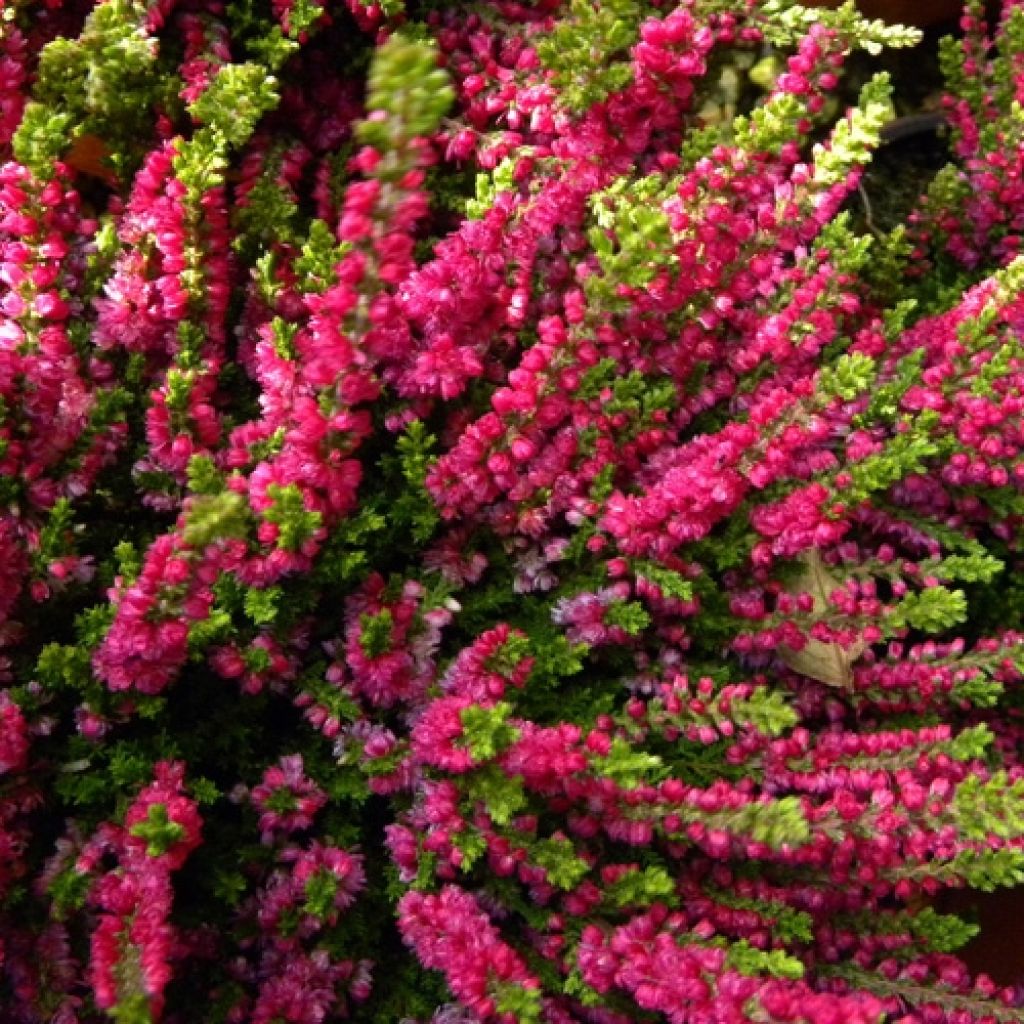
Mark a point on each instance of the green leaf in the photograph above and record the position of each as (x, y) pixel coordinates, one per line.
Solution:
(523, 1005)
(989, 809)
(557, 856)
(748, 960)
(673, 585)
(767, 711)
(852, 375)
(375, 632)
(502, 796)
(158, 830)
(262, 605)
(856, 136)
(988, 870)
(485, 730)
(320, 892)
(932, 610)
(472, 845)
(213, 517)
(640, 887)
(288, 511)
(238, 96)
(629, 616)
(409, 89)
(629, 767)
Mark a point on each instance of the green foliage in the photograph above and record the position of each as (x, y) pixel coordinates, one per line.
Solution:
(885, 401)
(472, 845)
(270, 215)
(767, 711)
(771, 125)
(321, 889)
(671, 583)
(320, 255)
(263, 606)
(68, 891)
(942, 933)
(633, 241)
(522, 1004)
(272, 48)
(486, 730)
(587, 52)
(296, 523)
(41, 138)
(640, 887)
(412, 93)
(375, 632)
(203, 790)
(502, 795)
(752, 961)
(488, 186)
(104, 82)
(629, 616)
(61, 666)
(414, 505)
(238, 96)
(932, 610)
(856, 136)
(850, 376)
(784, 22)
(216, 628)
(132, 1008)
(971, 743)
(507, 657)
(627, 766)
(557, 856)
(56, 536)
(979, 691)
(776, 823)
(213, 517)
(555, 659)
(977, 567)
(345, 557)
(576, 987)
(304, 14)
(906, 454)
(987, 870)
(203, 476)
(992, 808)
(158, 830)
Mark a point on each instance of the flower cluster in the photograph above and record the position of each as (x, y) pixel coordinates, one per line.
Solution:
(485, 538)
(132, 944)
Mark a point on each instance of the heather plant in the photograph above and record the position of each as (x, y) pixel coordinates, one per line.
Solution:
(483, 540)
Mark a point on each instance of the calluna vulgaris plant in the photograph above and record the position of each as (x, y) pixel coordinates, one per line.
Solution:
(481, 539)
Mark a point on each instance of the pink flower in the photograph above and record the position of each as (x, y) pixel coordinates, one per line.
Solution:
(286, 799)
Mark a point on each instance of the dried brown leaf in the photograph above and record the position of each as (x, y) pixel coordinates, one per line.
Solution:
(829, 663)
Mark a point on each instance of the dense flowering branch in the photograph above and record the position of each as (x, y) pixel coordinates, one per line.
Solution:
(576, 587)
